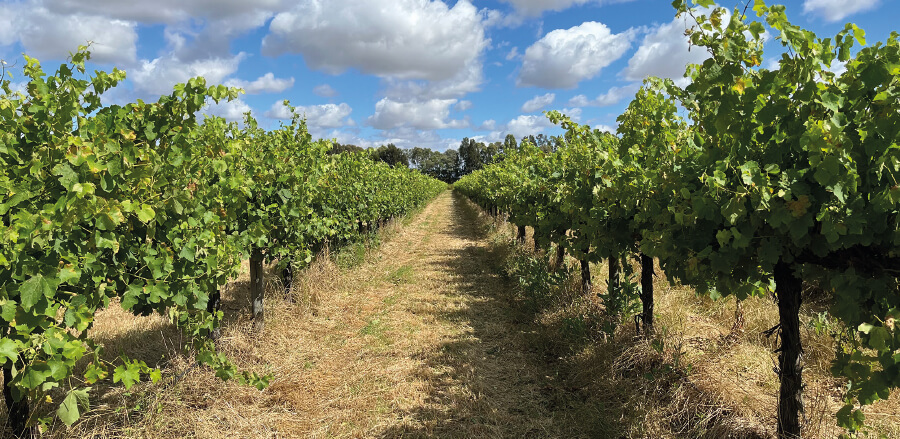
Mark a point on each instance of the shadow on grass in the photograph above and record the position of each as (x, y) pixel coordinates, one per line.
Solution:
(494, 380)
(152, 339)
(513, 375)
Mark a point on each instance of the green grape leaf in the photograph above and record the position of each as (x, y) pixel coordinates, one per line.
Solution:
(69, 273)
(128, 374)
(70, 409)
(146, 213)
(33, 289)
(8, 351)
(35, 376)
(94, 373)
(879, 337)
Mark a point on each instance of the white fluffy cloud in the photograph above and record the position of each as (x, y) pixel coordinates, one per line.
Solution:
(7, 25)
(158, 76)
(317, 116)
(665, 52)
(347, 137)
(495, 18)
(49, 35)
(231, 111)
(430, 114)
(527, 125)
(834, 10)
(267, 83)
(167, 11)
(325, 91)
(612, 97)
(404, 39)
(408, 137)
(565, 57)
(462, 105)
(466, 81)
(538, 102)
(536, 7)
(327, 115)
(210, 24)
(488, 125)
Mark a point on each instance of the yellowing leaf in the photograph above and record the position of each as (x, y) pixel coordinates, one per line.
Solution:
(739, 85)
(146, 213)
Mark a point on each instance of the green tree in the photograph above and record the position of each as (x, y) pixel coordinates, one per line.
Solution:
(509, 144)
(391, 155)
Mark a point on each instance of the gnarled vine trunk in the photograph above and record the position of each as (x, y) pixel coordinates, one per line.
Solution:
(790, 354)
(647, 294)
(586, 277)
(613, 286)
(17, 411)
(560, 255)
(213, 306)
(257, 287)
(287, 278)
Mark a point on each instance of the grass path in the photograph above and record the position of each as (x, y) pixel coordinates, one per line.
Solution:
(423, 339)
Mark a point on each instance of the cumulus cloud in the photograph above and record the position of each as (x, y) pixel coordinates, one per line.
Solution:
(579, 101)
(404, 39)
(462, 105)
(158, 76)
(49, 35)
(538, 102)
(495, 18)
(488, 125)
(564, 57)
(665, 52)
(198, 34)
(232, 111)
(210, 24)
(536, 7)
(8, 34)
(529, 124)
(613, 96)
(834, 10)
(325, 91)
(346, 136)
(466, 81)
(267, 83)
(317, 116)
(407, 137)
(167, 11)
(430, 114)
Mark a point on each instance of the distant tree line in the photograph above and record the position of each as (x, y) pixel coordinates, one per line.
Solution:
(451, 164)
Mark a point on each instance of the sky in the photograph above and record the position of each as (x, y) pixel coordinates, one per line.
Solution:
(421, 73)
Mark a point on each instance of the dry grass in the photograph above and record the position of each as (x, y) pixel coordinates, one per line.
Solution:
(696, 379)
(423, 336)
(420, 339)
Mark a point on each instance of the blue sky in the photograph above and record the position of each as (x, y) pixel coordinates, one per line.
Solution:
(411, 72)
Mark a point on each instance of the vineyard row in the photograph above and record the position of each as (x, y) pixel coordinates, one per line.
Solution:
(153, 206)
(747, 181)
